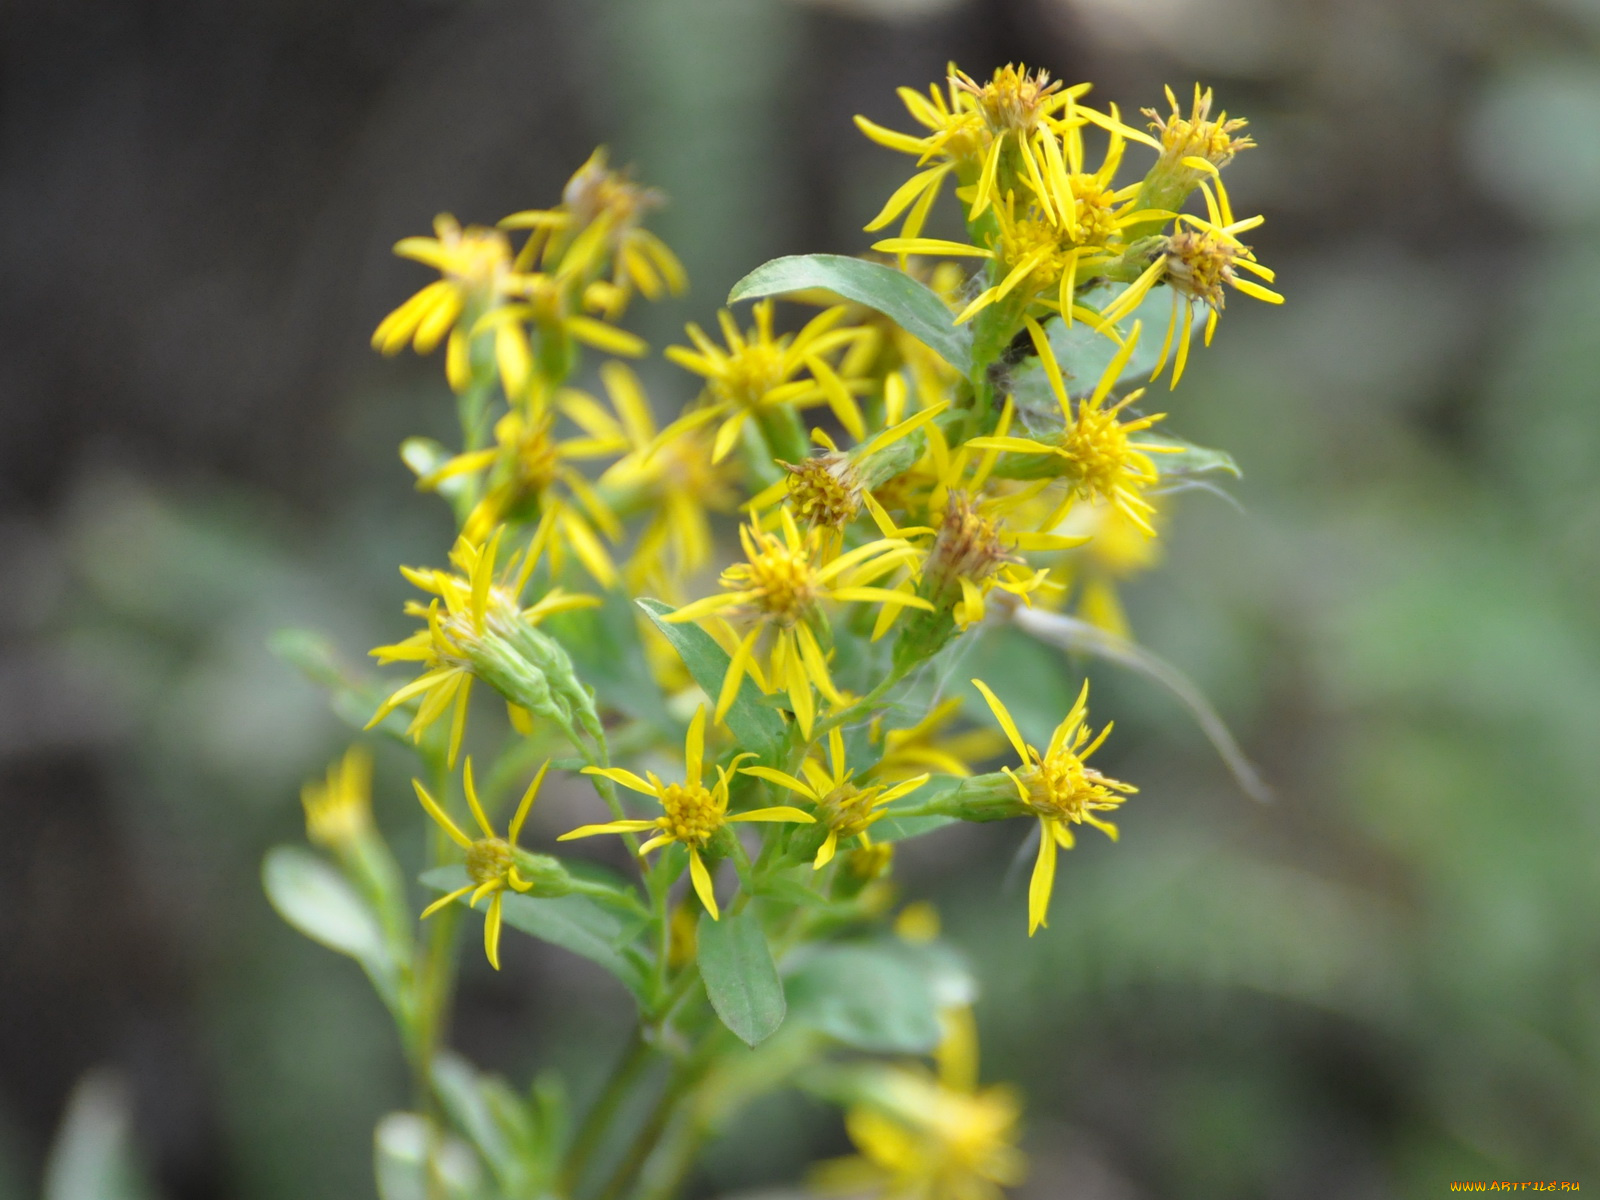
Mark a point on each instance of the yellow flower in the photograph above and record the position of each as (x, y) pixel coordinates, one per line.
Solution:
(1059, 789)
(1196, 262)
(974, 547)
(1072, 225)
(491, 859)
(1193, 149)
(601, 212)
(927, 745)
(339, 811)
(549, 303)
(971, 128)
(692, 814)
(472, 618)
(829, 489)
(477, 276)
(779, 589)
(933, 1137)
(849, 810)
(757, 372)
(1098, 459)
(530, 477)
(669, 475)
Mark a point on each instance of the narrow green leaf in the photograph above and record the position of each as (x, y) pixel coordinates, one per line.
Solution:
(914, 307)
(757, 727)
(740, 977)
(318, 901)
(1078, 636)
(1085, 354)
(352, 695)
(493, 1118)
(945, 969)
(868, 997)
(93, 1157)
(1191, 460)
(575, 923)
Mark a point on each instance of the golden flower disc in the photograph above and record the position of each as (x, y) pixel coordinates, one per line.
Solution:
(782, 578)
(538, 458)
(750, 374)
(1014, 99)
(488, 859)
(692, 814)
(825, 490)
(1199, 263)
(968, 545)
(1063, 789)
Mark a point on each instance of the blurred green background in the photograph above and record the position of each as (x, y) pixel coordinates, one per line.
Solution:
(1388, 979)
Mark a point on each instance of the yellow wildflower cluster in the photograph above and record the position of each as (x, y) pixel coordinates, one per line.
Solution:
(906, 467)
(1050, 227)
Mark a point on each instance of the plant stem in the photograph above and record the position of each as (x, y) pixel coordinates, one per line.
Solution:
(688, 1073)
(615, 1090)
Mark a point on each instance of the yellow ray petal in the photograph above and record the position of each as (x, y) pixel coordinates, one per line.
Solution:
(701, 878)
(1003, 715)
(1044, 878)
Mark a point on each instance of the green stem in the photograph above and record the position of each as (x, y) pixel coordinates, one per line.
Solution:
(615, 1091)
(688, 1073)
(435, 979)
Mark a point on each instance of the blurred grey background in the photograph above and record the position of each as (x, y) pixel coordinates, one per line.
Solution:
(1388, 979)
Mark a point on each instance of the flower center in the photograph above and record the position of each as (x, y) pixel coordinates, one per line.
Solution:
(478, 258)
(692, 814)
(825, 490)
(1198, 264)
(1062, 788)
(1095, 225)
(782, 578)
(596, 191)
(967, 545)
(1197, 135)
(749, 375)
(1097, 445)
(848, 809)
(537, 460)
(488, 859)
(1013, 99)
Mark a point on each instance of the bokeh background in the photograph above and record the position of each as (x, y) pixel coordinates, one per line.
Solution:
(1388, 979)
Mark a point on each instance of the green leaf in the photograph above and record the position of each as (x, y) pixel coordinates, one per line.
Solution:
(604, 645)
(494, 1119)
(914, 307)
(893, 828)
(1084, 354)
(318, 901)
(353, 697)
(403, 1145)
(947, 974)
(757, 727)
(575, 923)
(93, 1155)
(900, 829)
(870, 998)
(1037, 692)
(740, 977)
(1191, 460)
